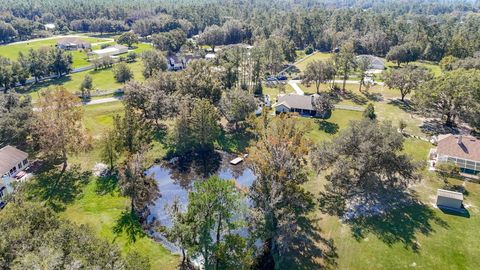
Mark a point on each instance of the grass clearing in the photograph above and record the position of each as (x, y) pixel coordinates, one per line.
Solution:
(12, 51)
(103, 80)
(107, 213)
(316, 56)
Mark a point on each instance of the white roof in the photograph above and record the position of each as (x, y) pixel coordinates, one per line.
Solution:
(450, 194)
(106, 50)
(50, 26)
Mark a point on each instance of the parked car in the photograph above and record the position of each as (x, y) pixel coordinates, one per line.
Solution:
(282, 78)
(2, 204)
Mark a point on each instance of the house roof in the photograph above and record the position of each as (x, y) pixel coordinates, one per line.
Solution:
(465, 147)
(375, 62)
(111, 49)
(72, 41)
(449, 194)
(294, 101)
(9, 158)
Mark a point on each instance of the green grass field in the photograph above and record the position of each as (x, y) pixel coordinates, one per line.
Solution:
(420, 236)
(317, 56)
(103, 80)
(79, 57)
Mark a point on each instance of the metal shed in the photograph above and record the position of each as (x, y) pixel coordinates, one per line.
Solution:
(449, 199)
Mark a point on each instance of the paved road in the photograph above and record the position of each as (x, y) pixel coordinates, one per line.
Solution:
(102, 101)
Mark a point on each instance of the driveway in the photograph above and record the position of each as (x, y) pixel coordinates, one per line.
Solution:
(294, 85)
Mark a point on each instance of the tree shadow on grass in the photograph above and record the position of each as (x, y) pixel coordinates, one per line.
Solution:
(309, 250)
(56, 189)
(306, 248)
(405, 105)
(128, 223)
(435, 127)
(327, 127)
(377, 97)
(356, 98)
(393, 219)
(106, 185)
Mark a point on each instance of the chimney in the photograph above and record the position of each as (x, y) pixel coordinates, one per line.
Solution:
(459, 140)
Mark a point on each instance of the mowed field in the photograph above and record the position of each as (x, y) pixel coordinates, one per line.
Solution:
(103, 80)
(12, 51)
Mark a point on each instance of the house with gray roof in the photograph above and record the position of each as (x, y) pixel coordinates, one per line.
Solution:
(73, 43)
(301, 104)
(12, 163)
(376, 63)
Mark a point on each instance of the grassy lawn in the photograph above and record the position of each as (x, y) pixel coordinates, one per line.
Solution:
(79, 57)
(107, 212)
(420, 236)
(433, 67)
(275, 91)
(103, 80)
(317, 56)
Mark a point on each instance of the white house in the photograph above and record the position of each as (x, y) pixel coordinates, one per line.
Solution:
(12, 163)
(49, 27)
(109, 51)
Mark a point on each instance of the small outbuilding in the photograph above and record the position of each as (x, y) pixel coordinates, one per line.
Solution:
(449, 199)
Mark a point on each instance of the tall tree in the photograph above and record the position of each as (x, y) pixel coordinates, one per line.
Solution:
(364, 160)
(212, 36)
(322, 103)
(60, 63)
(122, 72)
(318, 72)
(38, 64)
(153, 61)
(127, 38)
(134, 183)
(406, 79)
(201, 81)
(86, 87)
(346, 61)
(454, 94)
(204, 125)
(278, 200)
(363, 64)
(58, 129)
(53, 242)
(109, 152)
(16, 116)
(212, 217)
(131, 131)
(237, 104)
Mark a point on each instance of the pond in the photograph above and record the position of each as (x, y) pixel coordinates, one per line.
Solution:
(175, 178)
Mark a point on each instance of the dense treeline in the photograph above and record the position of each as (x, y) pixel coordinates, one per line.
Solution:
(451, 28)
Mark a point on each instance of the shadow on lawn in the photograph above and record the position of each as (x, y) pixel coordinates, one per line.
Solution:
(234, 142)
(128, 223)
(106, 185)
(306, 248)
(56, 189)
(435, 127)
(327, 127)
(403, 217)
